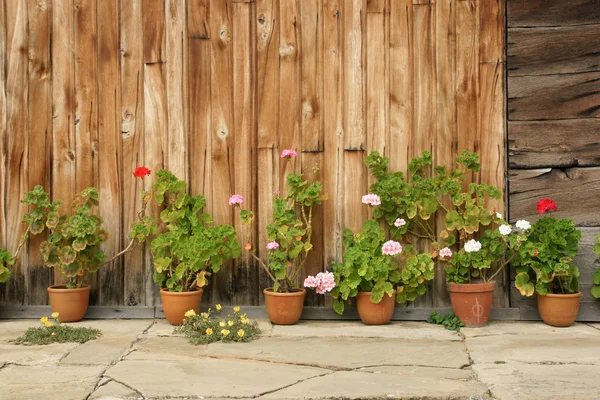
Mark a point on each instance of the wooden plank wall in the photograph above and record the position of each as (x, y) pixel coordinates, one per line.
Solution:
(554, 120)
(214, 90)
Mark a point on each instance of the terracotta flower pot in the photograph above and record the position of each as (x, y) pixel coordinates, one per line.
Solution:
(175, 304)
(472, 302)
(70, 304)
(375, 313)
(284, 308)
(559, 309)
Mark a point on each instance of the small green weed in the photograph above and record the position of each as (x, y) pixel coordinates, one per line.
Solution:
(204, 329)
(450, 321)
(56, 333)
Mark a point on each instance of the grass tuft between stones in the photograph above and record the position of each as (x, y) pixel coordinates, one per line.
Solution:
(56, 333)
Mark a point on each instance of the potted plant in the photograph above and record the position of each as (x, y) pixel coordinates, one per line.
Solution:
(188, 249)
(596, 277)
(378, 273)
(289, 237)
(545, 259)
(412, 203)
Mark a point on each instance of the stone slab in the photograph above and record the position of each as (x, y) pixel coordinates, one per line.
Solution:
(393, 330)
(34, 355)
(519, 381)
(48, 382)
(361, 385)
(464, 374)
(534, 343)
(12, 329)
(165, 348)
(527, 328)
(116, 340)
(207, 377)
(114, 391)
(347, 353)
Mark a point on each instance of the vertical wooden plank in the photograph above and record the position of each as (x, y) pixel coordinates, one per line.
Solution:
(40, 136)
(377, 90)
(132, 125)
(155, 111)
(446, 133)
(86, 105)
(312, 125)
(424, 79)
(289, 86)
(63, 108)
(199, 59)
(3, 131)
(424, 101)
(333, 36)
(492, 125)
(267, 181)
(312, 163)
(267, 100)
(177, 148)
(491, 31)
(244, 277)
(155, 141)
(355, 186)
(312, 74)
(354, 88)
(86, 117)
(110, 166)
(401, 84)
(17, 129)
(222, 135)
(154, 31)
(467, 81)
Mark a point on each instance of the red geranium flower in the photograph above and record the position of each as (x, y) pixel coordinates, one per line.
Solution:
(545, 205)
(141, 172)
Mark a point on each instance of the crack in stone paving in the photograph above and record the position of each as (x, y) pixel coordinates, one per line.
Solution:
(593, 327)
(127, 351)
(293, 384)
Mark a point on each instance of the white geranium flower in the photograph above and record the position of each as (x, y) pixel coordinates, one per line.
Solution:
(472, 245)
(499, 215)
(523, 225)
(505, 229)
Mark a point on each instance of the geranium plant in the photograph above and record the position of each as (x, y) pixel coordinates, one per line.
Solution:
(545, 258)
(373, 264)
(409, 204)
(289, 234)
(190, 247)
(596, 277)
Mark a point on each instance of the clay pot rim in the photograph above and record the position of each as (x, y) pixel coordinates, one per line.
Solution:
(64, 288)
(470, 287)
(295, 292)
(360, 293)
(561, 296)
(188, 293)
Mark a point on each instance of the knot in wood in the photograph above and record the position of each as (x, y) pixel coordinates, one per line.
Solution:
(286, 50)
(225, 34)
(262, 19)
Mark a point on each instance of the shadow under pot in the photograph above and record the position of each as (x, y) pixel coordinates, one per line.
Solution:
(176, 304)
(284, 308)
(472, 302)
(70, 304)
(375, 313)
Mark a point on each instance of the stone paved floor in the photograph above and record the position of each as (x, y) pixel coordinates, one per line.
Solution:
(143, 359)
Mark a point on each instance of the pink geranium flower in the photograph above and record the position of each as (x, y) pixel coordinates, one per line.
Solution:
(445, 252)
(399, 222)
(371, 199)
(323, 282)
(236, 199)
(288, 153)
(272, 245)
(391, 248)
